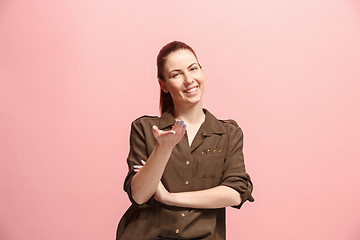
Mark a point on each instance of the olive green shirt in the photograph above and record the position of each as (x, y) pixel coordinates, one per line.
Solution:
(214, 158)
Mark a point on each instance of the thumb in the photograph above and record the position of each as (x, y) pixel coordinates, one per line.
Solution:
(155, 131)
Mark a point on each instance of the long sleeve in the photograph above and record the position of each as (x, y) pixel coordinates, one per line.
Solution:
(234, 173)
(137, 153)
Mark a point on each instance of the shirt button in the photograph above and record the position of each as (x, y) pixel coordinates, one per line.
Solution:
(183, 214)
(208, 150)
(187, 162)
(202, 152)
(219, 150)
(186, 182)
(177, 230)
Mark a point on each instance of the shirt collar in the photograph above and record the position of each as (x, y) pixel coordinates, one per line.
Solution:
(211, 124)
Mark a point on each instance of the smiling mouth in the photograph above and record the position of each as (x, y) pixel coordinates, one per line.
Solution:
(190, 90)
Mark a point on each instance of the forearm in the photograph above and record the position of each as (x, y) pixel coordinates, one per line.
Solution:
(217, 197)
(146, 181)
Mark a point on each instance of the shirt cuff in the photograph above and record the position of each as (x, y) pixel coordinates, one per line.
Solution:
(127, 189)
(245, 193)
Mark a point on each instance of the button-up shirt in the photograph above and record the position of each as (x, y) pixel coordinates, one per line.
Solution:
(215, 158)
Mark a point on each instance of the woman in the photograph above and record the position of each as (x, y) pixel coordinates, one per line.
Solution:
(185, 166)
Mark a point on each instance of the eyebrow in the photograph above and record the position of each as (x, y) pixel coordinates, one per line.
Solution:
(180, 70)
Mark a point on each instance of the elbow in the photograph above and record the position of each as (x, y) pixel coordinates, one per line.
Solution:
(231, 196)
(234, 197)
(236, 200)
(138, 199)
(139, 202)
(138, 196)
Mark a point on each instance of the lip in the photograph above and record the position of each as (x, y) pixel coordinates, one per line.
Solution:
(190, 89)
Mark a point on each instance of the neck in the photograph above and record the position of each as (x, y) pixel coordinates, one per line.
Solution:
(192, 115)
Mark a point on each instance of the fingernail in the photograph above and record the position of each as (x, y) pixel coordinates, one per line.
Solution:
(173, 132)
(143, 161)
(182, 122)
(153, 127)
(184, 125)
(136, 165)
(178, 122)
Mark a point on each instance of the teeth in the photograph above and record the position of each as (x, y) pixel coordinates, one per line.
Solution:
(191, 90)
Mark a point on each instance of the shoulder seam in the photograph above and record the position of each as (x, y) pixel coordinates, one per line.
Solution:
(145, 116)
(232, 121)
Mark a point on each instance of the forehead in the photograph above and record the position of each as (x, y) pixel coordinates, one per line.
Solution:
(179, 59)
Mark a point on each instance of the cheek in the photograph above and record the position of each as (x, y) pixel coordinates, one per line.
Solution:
(175, 88)
(199, 76)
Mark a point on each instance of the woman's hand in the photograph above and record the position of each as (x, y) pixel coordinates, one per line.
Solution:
(162, 195)
(172, 137)
(139, 167)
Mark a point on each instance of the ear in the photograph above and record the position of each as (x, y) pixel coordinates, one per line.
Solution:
(162, 85)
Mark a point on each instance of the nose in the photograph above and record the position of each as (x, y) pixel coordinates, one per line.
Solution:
(188, 78)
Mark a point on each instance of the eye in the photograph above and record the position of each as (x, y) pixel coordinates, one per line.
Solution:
(194, 68)
(175, 75)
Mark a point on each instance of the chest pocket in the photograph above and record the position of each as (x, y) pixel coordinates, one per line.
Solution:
(211, 163)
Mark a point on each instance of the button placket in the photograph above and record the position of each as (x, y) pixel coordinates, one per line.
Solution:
(187, 171)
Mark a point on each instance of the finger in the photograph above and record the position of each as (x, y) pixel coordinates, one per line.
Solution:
(158, 132)
(168, 132)
(177, 126)
(172, 131)
(180, 124)
(143, 162)
(180, 127)
(137, 168)
(183, 127)
(155, 131)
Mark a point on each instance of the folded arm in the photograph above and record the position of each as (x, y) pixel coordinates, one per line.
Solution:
(216, 197)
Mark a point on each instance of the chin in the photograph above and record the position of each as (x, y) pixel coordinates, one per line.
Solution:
(194, 101)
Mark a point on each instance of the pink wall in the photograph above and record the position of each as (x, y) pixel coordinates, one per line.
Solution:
(74, 74)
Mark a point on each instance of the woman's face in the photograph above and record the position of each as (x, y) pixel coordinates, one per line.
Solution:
(184, 78)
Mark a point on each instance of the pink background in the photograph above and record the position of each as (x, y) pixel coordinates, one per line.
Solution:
(75, 73)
